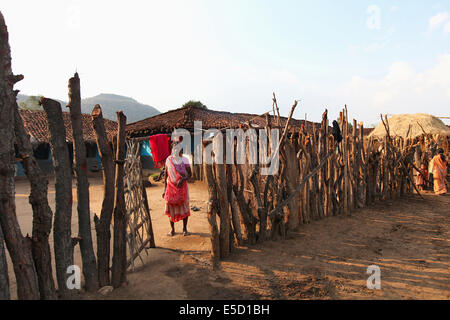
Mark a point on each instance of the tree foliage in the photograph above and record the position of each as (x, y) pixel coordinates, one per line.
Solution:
(31, 103)
(196, 104)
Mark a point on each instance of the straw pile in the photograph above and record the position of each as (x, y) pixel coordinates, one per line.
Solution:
(416, 124)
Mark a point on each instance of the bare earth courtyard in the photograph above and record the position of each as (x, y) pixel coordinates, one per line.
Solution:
(408, 239)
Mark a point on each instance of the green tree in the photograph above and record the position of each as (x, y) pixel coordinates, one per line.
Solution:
(31, 103)
(196, 104)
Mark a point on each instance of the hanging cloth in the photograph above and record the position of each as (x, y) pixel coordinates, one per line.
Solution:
(160, 148)
(145, 149)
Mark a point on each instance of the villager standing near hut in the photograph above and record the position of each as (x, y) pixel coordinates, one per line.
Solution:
(422, 177)
(176, 192)
(439, 170)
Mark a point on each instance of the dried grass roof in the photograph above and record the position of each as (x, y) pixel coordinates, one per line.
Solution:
(415, 123)
(185, 117)
(36, 125)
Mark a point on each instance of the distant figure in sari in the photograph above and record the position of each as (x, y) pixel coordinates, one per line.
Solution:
(422, 177)
(439, 170)
(176, 192)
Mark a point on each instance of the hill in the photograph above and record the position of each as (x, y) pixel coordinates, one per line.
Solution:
(110, 103)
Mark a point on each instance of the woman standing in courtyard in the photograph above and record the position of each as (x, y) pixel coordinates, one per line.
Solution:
(439, 170)
(176, 192)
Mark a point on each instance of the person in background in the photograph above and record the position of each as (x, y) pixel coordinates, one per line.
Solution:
(439, 170)
(422, 177)
(430, 174)
(176, 192)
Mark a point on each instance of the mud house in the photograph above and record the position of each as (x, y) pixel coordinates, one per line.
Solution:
(35, 123)
(184, 118)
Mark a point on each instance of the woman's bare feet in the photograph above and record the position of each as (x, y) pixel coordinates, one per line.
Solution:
(171, 233)
(185, 233)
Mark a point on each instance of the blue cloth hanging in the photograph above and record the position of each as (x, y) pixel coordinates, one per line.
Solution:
(145, 148)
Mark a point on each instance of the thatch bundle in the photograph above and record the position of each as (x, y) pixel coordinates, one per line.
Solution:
(412, 125)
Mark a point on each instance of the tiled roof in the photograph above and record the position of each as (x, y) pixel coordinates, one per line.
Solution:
(35, 123)
(185, 117)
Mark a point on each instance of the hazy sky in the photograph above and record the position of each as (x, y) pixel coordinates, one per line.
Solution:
(375, 56)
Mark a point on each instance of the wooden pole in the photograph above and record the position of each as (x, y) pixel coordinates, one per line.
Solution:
(223, 206)
(103, 224)
(150, 226)
(354, 167)
(18, 246)
(345, 154)
(212, 212)
(42, 214)
(4, 279)
(119, 260)
(262, 210)
(278, 110)
(291, 178)
(281, 205)
(362, 167)
(306, 161)
(244, 207)
(84, 216)
(62, 227)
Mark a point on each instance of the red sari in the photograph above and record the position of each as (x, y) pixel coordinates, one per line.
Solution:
(177, 198)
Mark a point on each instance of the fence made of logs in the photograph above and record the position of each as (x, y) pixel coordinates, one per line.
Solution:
(124, 203)
(322, 173)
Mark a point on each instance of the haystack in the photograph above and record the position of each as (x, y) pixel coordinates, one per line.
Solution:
(416, 124)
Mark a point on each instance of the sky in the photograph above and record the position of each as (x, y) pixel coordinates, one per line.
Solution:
(387, 57)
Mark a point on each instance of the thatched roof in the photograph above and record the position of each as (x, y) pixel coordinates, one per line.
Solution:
(35, 123)
(415, 123)
(185, 117)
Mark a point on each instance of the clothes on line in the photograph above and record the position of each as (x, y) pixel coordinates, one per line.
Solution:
(145, 149)
(160, 148)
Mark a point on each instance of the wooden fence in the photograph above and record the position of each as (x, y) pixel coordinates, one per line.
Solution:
(319, 176)
(139, 231)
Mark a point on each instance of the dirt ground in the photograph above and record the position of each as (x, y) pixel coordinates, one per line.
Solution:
(327, 259)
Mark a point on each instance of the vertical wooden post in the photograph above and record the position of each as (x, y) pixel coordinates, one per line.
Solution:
(4, 279)
(150, 227)
(18, 246)
(305, 170)
(362, 158)
(385, 165)
(237, 230)
(103, 224)
(84, 216)
(119, 261)
(223, 205)
(322, 175)
(329, 145)
(212, 212)
(235, 217)
(345, 154)
(300, 168)
(354, 167)
(62, 227)
(42, 214)
(244, 208)
(292, 176)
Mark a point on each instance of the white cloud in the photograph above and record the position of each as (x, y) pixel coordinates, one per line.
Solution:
(447, 28)
(438, 19)
(381, 43)
(393, 9)
(401, 90)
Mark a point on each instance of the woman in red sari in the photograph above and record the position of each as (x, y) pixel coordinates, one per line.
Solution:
(176, 192)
